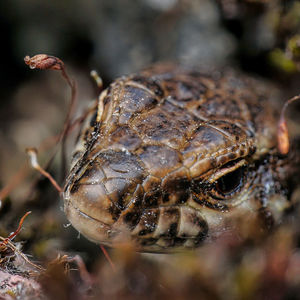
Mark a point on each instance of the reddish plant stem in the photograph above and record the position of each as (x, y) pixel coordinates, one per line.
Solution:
(32, 152)
(108, 258)
(9, 238)
(283, 142)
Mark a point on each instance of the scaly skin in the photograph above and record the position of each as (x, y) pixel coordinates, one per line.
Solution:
(177, 157)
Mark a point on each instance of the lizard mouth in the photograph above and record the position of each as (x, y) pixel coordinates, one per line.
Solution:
(92, 228)
(162, 229)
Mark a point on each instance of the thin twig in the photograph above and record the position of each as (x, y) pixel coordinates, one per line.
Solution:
(97, 79)
(17, 231)
(48, 62)
(32, 152)
(15, 249)
(108, 258)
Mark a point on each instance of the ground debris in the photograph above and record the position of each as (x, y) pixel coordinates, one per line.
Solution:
(19, 287)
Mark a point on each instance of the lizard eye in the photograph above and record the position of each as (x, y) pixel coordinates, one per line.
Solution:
(230, 183)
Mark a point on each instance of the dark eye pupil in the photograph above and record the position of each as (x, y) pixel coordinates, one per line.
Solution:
(230, 182)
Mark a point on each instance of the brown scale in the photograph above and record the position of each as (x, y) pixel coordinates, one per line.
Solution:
(175, 159)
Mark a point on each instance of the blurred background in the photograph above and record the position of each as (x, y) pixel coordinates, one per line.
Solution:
(119, 37)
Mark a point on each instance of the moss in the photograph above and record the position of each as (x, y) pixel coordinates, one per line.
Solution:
(293, 47)
(282, 62)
